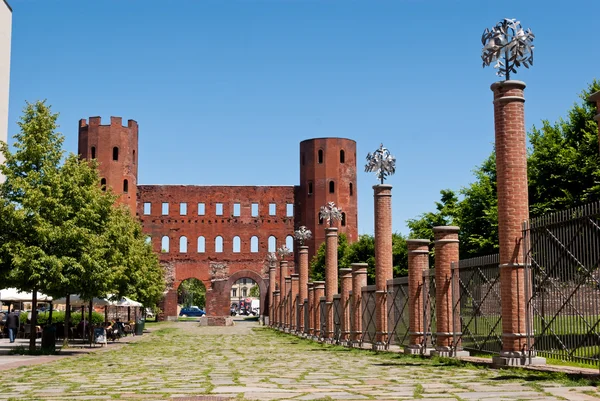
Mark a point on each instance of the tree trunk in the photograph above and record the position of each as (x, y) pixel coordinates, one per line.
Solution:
(67, 321)
(32, 323)
(89, 325)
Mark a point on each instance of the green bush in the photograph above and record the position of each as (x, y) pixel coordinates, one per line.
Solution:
(59, 317)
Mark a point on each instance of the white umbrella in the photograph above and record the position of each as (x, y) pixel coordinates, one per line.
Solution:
(128, 302)
(75, 300)
(14, 295)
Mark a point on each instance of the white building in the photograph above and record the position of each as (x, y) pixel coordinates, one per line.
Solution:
(5, 39)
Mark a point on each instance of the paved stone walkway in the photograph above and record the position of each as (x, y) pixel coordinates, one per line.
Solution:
(247, 362)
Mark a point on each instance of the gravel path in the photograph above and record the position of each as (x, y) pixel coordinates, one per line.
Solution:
(247, 361)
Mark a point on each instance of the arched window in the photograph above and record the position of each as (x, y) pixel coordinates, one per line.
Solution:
(343, 219)
(201, 244)
(342, 156)
(164, 244)
(125, 186)
(331, 187)
(310, 188)
(103, 184)
(134, 157)
(237, 244)
(93, 152)
(289, 242)
(351, 190)
(272, 244)
(219, 244)
(183, 244)
(115, 153)
(320, 156)
(254, 244)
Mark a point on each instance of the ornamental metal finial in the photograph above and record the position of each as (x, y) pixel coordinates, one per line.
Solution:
(381, 162)
(283, 252)
(302, 234)
(271, 258)
(330, 213)
(508, 45)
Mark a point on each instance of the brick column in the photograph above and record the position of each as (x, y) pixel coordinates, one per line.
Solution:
(418, 262)
(283, 272)
(383, 256)
(272, 284)
(310, 305)
(276, 313)
(318, 292)
(595, 97)
(287, 286)
(331, 274)
(446, 252)
(294, 304)
(513, 210)
(303, 281)
(346, 275)
(359, 280)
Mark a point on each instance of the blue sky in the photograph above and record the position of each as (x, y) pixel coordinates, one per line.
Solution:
(224, 91)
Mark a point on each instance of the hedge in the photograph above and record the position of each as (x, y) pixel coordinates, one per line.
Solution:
(59, 317)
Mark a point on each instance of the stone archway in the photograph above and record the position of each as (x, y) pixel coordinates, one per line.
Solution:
(218, 298)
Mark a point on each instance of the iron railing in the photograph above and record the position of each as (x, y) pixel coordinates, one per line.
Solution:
(476, 304)
(322, 327)
(429, 313)
(369, 306)
(398, 312)
(563, 263)
(337, 318)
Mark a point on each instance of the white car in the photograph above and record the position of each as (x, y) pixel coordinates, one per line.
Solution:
(149, 314)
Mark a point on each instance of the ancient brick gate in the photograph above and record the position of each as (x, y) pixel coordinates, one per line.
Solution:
(213, 233)
(216, 234)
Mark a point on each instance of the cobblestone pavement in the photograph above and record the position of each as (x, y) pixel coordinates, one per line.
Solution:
(248, 362)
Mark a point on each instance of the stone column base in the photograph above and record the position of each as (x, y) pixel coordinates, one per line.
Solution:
(517, 358)
(417, 350)
(216, 321)
(378, 346)
(448, 352)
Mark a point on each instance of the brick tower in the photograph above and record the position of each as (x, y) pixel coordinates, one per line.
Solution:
(327, 174)
(115, 147)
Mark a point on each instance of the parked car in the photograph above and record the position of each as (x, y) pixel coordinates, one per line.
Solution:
(149, 314)
(192, 311)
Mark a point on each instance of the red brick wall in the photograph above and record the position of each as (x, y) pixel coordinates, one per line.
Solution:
(191, 225)
(320, 175)
(103, 138)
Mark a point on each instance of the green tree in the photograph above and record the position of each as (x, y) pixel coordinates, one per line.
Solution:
(254, 291)
(317, 264)
(362, 251)
(564, 165)
(191, 292)
(477, 212)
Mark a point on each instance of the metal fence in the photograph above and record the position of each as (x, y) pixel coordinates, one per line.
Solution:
(322, 327)
(476, 304)
(398, 312)
(368, 306)
(563, 260)
(429, 314)
(337, 318)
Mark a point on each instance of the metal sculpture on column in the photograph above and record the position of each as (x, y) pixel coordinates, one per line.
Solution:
(330, 213)
(510, 47)
(383, 164)
(301, 235)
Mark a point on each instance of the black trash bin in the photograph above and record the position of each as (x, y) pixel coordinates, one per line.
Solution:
(49, 339)
(139, 327)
